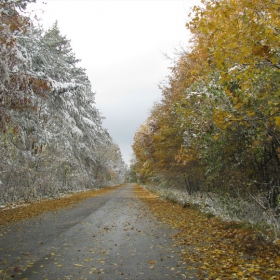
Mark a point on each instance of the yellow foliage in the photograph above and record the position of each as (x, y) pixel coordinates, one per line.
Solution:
(222, 98)
(277, 120)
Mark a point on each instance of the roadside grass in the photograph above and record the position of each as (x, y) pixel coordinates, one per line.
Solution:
(215, 248)
(22, 211)
(242, 212)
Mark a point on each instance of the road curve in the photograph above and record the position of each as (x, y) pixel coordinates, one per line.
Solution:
(112, 236)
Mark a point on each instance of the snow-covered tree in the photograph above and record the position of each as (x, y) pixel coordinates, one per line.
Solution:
(52, 139)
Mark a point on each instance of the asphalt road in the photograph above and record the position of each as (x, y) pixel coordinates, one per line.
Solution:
(112, 236)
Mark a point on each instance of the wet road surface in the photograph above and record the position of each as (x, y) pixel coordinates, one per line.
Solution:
(112, 236)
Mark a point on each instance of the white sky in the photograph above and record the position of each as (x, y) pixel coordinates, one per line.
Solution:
(122, 46)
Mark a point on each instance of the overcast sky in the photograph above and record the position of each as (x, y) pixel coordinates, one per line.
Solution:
(122, 46)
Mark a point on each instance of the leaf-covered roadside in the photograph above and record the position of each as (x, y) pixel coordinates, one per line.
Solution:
(33, 209)
(217, 249)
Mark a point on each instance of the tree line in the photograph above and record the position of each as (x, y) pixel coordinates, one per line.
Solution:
(51, 135)
(216, 129)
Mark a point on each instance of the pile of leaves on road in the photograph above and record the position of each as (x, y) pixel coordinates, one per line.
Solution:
(32, 209)
(215, 248)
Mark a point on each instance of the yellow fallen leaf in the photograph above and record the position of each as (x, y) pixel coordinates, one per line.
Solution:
(240, 273)
(277, 121)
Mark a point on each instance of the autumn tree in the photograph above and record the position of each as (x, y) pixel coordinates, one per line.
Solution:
(219, 116)
(242, 40)
(166, 126)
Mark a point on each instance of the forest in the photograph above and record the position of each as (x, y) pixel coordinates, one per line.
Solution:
(214, 138)
(51, 135)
